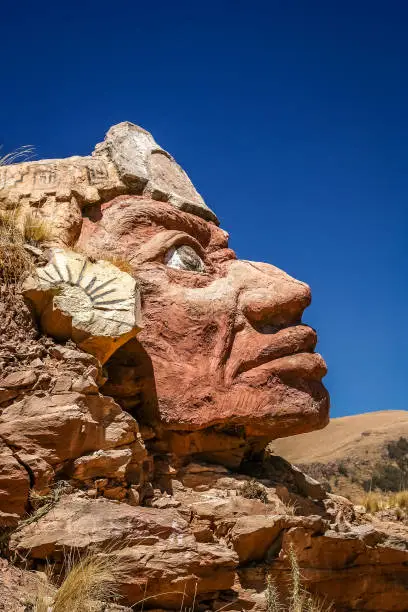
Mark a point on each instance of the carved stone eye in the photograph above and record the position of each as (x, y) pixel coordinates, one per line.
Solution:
(184, 258)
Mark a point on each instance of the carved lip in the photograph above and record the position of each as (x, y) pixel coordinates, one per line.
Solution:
(285, 351)
(308, 366)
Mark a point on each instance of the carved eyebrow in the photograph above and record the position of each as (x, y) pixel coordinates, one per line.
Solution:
(136, 213)
(161, 242)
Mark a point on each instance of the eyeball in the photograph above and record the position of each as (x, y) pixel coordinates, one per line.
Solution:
(184, 257)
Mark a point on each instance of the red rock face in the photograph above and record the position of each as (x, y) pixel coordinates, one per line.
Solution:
(224, 336)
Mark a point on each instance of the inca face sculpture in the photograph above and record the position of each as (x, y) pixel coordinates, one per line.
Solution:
(230, 360)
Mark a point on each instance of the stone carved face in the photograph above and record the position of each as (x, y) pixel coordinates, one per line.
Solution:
(224, 336)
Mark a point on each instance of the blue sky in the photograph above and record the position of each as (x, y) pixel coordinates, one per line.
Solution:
(291, 118)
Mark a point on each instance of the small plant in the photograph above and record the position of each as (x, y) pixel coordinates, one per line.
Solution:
(386, 477)
(252, 489)
(291, 507)
(93, 577)
(299, 599)
(115, 260)
(35, 229)
(273, 603)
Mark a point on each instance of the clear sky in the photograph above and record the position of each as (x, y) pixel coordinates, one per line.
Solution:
(291, 118)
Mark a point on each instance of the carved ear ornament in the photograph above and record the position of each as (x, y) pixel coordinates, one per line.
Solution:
(92, 303)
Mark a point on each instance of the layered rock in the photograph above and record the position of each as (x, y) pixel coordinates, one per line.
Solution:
(218, 547)
(128, 161)
(151, 450)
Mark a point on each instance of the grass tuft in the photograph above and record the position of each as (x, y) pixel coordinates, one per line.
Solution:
(16, 230)
(90, 578)
(299, 599)
(22, 154)
(375, 502)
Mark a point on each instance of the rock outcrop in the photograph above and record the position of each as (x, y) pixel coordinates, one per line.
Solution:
(141, 379)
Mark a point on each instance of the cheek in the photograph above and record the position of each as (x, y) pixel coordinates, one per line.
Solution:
(180, 320)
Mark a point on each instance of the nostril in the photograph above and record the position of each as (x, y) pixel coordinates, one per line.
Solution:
(266, 328)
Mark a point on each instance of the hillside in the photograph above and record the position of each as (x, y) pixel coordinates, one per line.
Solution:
(354, 453)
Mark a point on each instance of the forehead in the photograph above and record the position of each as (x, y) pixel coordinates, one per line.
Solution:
(143, 218)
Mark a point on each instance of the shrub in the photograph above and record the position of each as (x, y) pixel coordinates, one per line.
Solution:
(386, 477)
(252, 489)
(299, 599)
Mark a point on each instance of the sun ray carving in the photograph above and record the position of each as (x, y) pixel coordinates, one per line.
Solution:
(93, 303)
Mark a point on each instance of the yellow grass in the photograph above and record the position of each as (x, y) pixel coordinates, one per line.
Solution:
(35, 229)
(16, 230)
(374, 502)
(93, 577)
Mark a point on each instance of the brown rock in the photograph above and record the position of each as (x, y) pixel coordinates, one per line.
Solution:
(102, 464)
(253, 536)
(18, 380)
(8, 394)
(19, 588)
(77, 522)
(40, 428)
(171, 568)
(161, 554)
(362, 569)
(14, 488)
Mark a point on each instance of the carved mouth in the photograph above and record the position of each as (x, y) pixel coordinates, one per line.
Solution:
(287, 352)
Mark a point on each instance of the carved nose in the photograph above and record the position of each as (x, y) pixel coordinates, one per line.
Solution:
(273, 297)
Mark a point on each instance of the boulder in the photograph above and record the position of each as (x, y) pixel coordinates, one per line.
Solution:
(253, 536)
(49, 433)
(361, 569)
(176, 570)
(102, 464)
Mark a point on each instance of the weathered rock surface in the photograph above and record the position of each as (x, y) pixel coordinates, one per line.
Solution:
(361, 569)
(14, 487)
(223, 365)
(128, 161)
(77, 522)
(69, 435)
(218, 546)
(94, 304)
(162, 556)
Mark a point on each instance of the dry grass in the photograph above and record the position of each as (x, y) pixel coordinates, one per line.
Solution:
(374, 502)
(16, 230)
(21, 154)
(120, 263)
(115, 260)
(93, 577)
(291, 507)
(299, 599)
